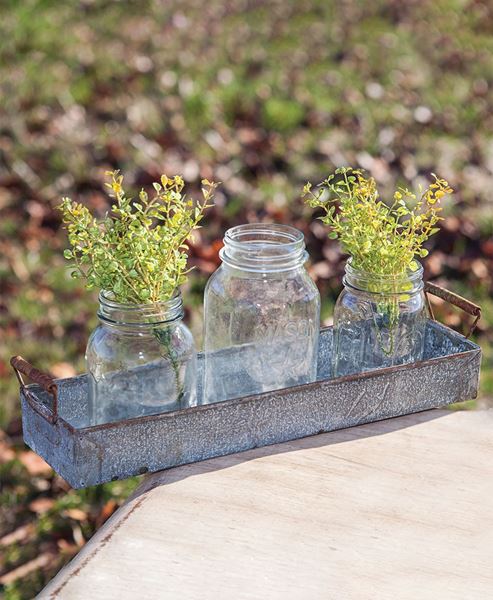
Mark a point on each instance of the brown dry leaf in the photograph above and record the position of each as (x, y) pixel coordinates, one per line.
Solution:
(206, 266)
(60, 485)
(488, 247)
(66, 547)
(34, 463)
(41, 505)
(453, 320)
(6, 451)
(63, 370)
(209, 252)
(320, 270)
(40, 562)
(106, 512)
(434, 264)
(75, 513)
(78, 536)
(4, 369)
(19, 536)
(108, 509)
(480, 268)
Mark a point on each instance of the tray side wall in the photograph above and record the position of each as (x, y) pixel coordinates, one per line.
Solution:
(279, 416)
(53, 442)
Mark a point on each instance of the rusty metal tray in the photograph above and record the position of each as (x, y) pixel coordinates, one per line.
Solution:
(53, 412)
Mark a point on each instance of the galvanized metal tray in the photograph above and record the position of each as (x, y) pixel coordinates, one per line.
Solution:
(54, 412)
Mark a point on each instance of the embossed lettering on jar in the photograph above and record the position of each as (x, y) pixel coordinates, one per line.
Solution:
(262, 313)
(379, 321)
(141, 360)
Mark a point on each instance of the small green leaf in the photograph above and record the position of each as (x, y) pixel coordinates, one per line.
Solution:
(141, 245)
(382, 237)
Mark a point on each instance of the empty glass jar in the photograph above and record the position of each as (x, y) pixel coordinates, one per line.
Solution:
(262, 313)
(141, 360)
(379, 321)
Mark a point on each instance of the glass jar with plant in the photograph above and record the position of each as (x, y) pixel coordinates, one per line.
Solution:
(380, 316)
(141, 359)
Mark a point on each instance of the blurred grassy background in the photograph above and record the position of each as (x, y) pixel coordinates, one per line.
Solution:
(260, 95)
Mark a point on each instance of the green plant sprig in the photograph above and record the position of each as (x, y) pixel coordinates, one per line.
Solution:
(138, 251)
(383, 239)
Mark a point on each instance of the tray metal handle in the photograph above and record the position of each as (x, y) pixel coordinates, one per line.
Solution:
(22, 367)
(452, 298)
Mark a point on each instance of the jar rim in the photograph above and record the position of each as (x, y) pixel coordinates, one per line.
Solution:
(139, 314)
(408, 274)
(362, 280)
(264, 247)
(277, 234)
(105, 296)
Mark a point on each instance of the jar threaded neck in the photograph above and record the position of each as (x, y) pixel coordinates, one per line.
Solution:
(139, 315)
(409, 282)
(264, 247)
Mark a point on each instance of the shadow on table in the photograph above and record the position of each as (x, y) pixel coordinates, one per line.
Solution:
(316, 441)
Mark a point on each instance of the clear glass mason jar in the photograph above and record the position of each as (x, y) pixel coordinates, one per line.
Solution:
(261, 314)
(379, 321)
(141, 360)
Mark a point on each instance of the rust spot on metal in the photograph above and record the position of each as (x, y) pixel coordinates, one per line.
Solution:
(22, 367)
(452, 298)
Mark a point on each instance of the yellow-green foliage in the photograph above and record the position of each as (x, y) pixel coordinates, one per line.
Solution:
(138, 251)
(383, 239)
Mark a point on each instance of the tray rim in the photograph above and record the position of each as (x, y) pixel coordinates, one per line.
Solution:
(474, 349)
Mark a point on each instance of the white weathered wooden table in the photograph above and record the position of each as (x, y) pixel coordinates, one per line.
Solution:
(397, 509)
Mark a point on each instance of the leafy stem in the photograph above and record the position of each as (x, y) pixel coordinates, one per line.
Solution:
(382, 239)
(138, 251)
(164, 337)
